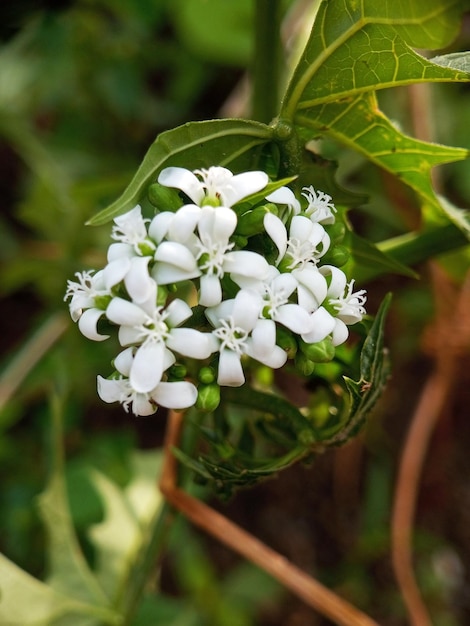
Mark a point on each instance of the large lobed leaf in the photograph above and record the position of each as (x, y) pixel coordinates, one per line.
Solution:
(359, 46)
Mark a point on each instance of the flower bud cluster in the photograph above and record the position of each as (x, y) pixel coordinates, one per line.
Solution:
(263, 288)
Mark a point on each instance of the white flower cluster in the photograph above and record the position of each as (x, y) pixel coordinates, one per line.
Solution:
(198, 242)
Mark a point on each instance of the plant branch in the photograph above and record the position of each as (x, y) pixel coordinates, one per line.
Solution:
(304, 586)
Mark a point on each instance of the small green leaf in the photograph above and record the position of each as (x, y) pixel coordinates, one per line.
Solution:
(364, 393)
(231, 143)
(367, 255)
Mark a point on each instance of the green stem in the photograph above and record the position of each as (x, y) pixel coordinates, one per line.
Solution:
(146, 561)
(267, 60)
(413, 248)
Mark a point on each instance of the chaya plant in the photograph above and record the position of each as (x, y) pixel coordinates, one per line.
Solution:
(229, 270)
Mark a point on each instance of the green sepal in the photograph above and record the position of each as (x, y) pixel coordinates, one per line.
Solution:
(320, 352)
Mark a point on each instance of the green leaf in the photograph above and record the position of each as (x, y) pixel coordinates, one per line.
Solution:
(367, 255)
(26, 601)
(358, 124)
(364, 393)
(356, 48)
(69, 571)
(120, 535)
(231, 143)
(457, 60)
(362, 46)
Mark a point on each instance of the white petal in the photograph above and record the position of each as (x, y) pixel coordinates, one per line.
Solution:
(126, 313)
(123, 361)
(141, 405)
(243, 185)
(322, 325)
(284, 195)
(230, 372)
(210, 290)
(110, 390)
(218, 223)
(340, 333)
(166, 274)
(246, 263)
(278, 233)
(178, 312)
(79, 302)
(138, 283)
(301, 228)
(221, 311)
(276, 358)
(128, 336)
(337, 282)
(87, 324)
(312, 288)
(189, 342)
(184, 222)
(183, 179)
(176, 254)
(119, 250)
(160, 225)
(295, 318)
(263, 339)
(147, 368)
(115, 271)
(285, 282)
(177, 395)
(246, 309)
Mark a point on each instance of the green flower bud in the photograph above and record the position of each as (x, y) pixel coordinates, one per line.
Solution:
(286, 340)
(206, 375)
(320, 352)
(162, 295)
(164, 198)
(101, 302)
(251, 222)
(337, 256)
(177, 372)
(208, 397)
(336, 231)
(304, 365)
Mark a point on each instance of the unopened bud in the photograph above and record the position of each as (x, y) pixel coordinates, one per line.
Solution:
(319, 352)
(304, 365)
(206, 375)
(337, 256)
(208, 397)
(164, 198)
(252, 222)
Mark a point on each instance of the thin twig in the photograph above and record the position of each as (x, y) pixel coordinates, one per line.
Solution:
(304, 586)
(30, 354)
(452, 335)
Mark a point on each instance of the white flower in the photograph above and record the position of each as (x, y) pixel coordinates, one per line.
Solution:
(239, 331)
(274, 293)
(208, 254)
(172, 395)
(347, 305)
(216, 186)
(88, 300)
(286, 196)
(307, 242)
(320, 207)
(128, 260)
(153, 329)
